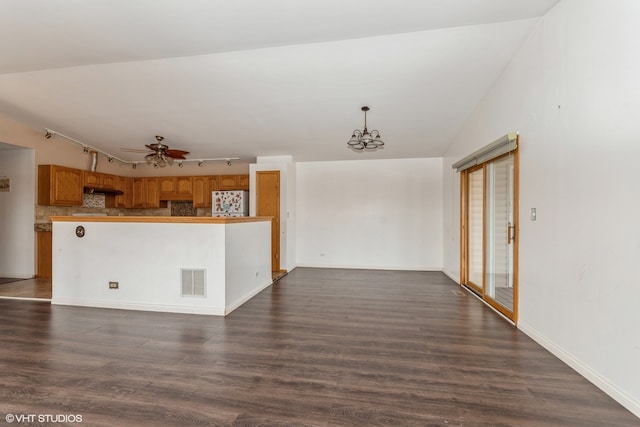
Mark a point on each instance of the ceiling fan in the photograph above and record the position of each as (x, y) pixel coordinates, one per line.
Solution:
(161, 155)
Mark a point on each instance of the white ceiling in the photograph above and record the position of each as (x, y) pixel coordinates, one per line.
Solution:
(247, 78)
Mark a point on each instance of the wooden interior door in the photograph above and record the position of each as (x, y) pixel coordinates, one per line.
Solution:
(268, 204)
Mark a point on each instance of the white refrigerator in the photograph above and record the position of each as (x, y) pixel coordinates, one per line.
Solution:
(230, 203)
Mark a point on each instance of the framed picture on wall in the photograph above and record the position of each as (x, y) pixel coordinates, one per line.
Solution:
(5, 184)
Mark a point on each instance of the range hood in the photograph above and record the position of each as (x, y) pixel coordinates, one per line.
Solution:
(98, 190)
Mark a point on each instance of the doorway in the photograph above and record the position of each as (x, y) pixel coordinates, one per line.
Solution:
(268, 204)
(489, 244)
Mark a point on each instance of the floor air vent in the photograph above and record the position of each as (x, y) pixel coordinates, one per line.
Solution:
(193, 283)
(458, 293)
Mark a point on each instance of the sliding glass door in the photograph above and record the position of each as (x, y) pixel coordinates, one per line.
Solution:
(500, 232)
(488, 230)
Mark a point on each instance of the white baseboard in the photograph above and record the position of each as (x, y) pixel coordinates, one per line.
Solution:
(451, 276)
(246, 297)
(369, 267)
(584, 370)
(120, 305)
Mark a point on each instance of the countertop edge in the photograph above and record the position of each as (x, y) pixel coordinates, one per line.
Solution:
(162, 219)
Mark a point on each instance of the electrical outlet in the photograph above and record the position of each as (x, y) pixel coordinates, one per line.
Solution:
(114, 285)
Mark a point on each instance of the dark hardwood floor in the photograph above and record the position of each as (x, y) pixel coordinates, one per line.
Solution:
(322, 347)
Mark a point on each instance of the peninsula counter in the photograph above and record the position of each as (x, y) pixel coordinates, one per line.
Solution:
(199, 265)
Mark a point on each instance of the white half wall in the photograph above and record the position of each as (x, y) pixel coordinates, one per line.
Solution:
(380, 214)
(573, 94)
(146, 260)
(17, 213)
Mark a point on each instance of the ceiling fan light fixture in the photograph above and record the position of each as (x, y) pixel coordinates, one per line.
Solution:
(361, 140)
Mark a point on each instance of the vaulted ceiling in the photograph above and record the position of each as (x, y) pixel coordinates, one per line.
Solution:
(247, 78)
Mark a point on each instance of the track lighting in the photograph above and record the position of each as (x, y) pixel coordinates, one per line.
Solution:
(155, 162)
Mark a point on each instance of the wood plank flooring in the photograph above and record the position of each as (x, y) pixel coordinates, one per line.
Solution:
(322, 347)
(27, 288)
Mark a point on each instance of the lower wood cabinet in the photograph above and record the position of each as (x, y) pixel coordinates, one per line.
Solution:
(44, 254)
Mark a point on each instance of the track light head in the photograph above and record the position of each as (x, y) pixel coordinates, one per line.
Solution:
(200, 163)
(85, 149)
(228, 162)
(110, 159)
(48, 135)
(180, 164)
(135, 165)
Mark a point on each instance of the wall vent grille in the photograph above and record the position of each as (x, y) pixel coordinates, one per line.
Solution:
(193, 283)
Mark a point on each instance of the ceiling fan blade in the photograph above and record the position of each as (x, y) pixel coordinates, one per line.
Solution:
(176, 154)
(133, 150)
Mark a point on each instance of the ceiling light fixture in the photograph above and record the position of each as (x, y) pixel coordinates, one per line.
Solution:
(364, 140)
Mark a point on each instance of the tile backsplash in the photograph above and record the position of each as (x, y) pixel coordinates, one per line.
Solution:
(95, 204)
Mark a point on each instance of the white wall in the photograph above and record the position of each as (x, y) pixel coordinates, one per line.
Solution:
(17, 213)
(573, 94)
(382, 214)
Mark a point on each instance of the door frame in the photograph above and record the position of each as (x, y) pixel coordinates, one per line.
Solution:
(275, 221)
(480, 289)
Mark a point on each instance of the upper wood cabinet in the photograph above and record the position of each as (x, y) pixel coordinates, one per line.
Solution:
(233, 182)
(59, 186)
(176, 187)
(202, 188)
(99, 180)
(145, 193)
(124, 184)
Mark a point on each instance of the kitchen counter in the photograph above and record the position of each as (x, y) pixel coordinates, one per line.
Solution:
(199, 265)
(162, 219)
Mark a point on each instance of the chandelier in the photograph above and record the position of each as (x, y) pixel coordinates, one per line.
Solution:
(364, 140)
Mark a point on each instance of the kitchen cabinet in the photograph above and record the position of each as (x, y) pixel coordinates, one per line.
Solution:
(233, 182)
(176, 187)
(124, 184)
(59, 186)
(145, 193)
(43, 253)
(99, 180)
(202, 188)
